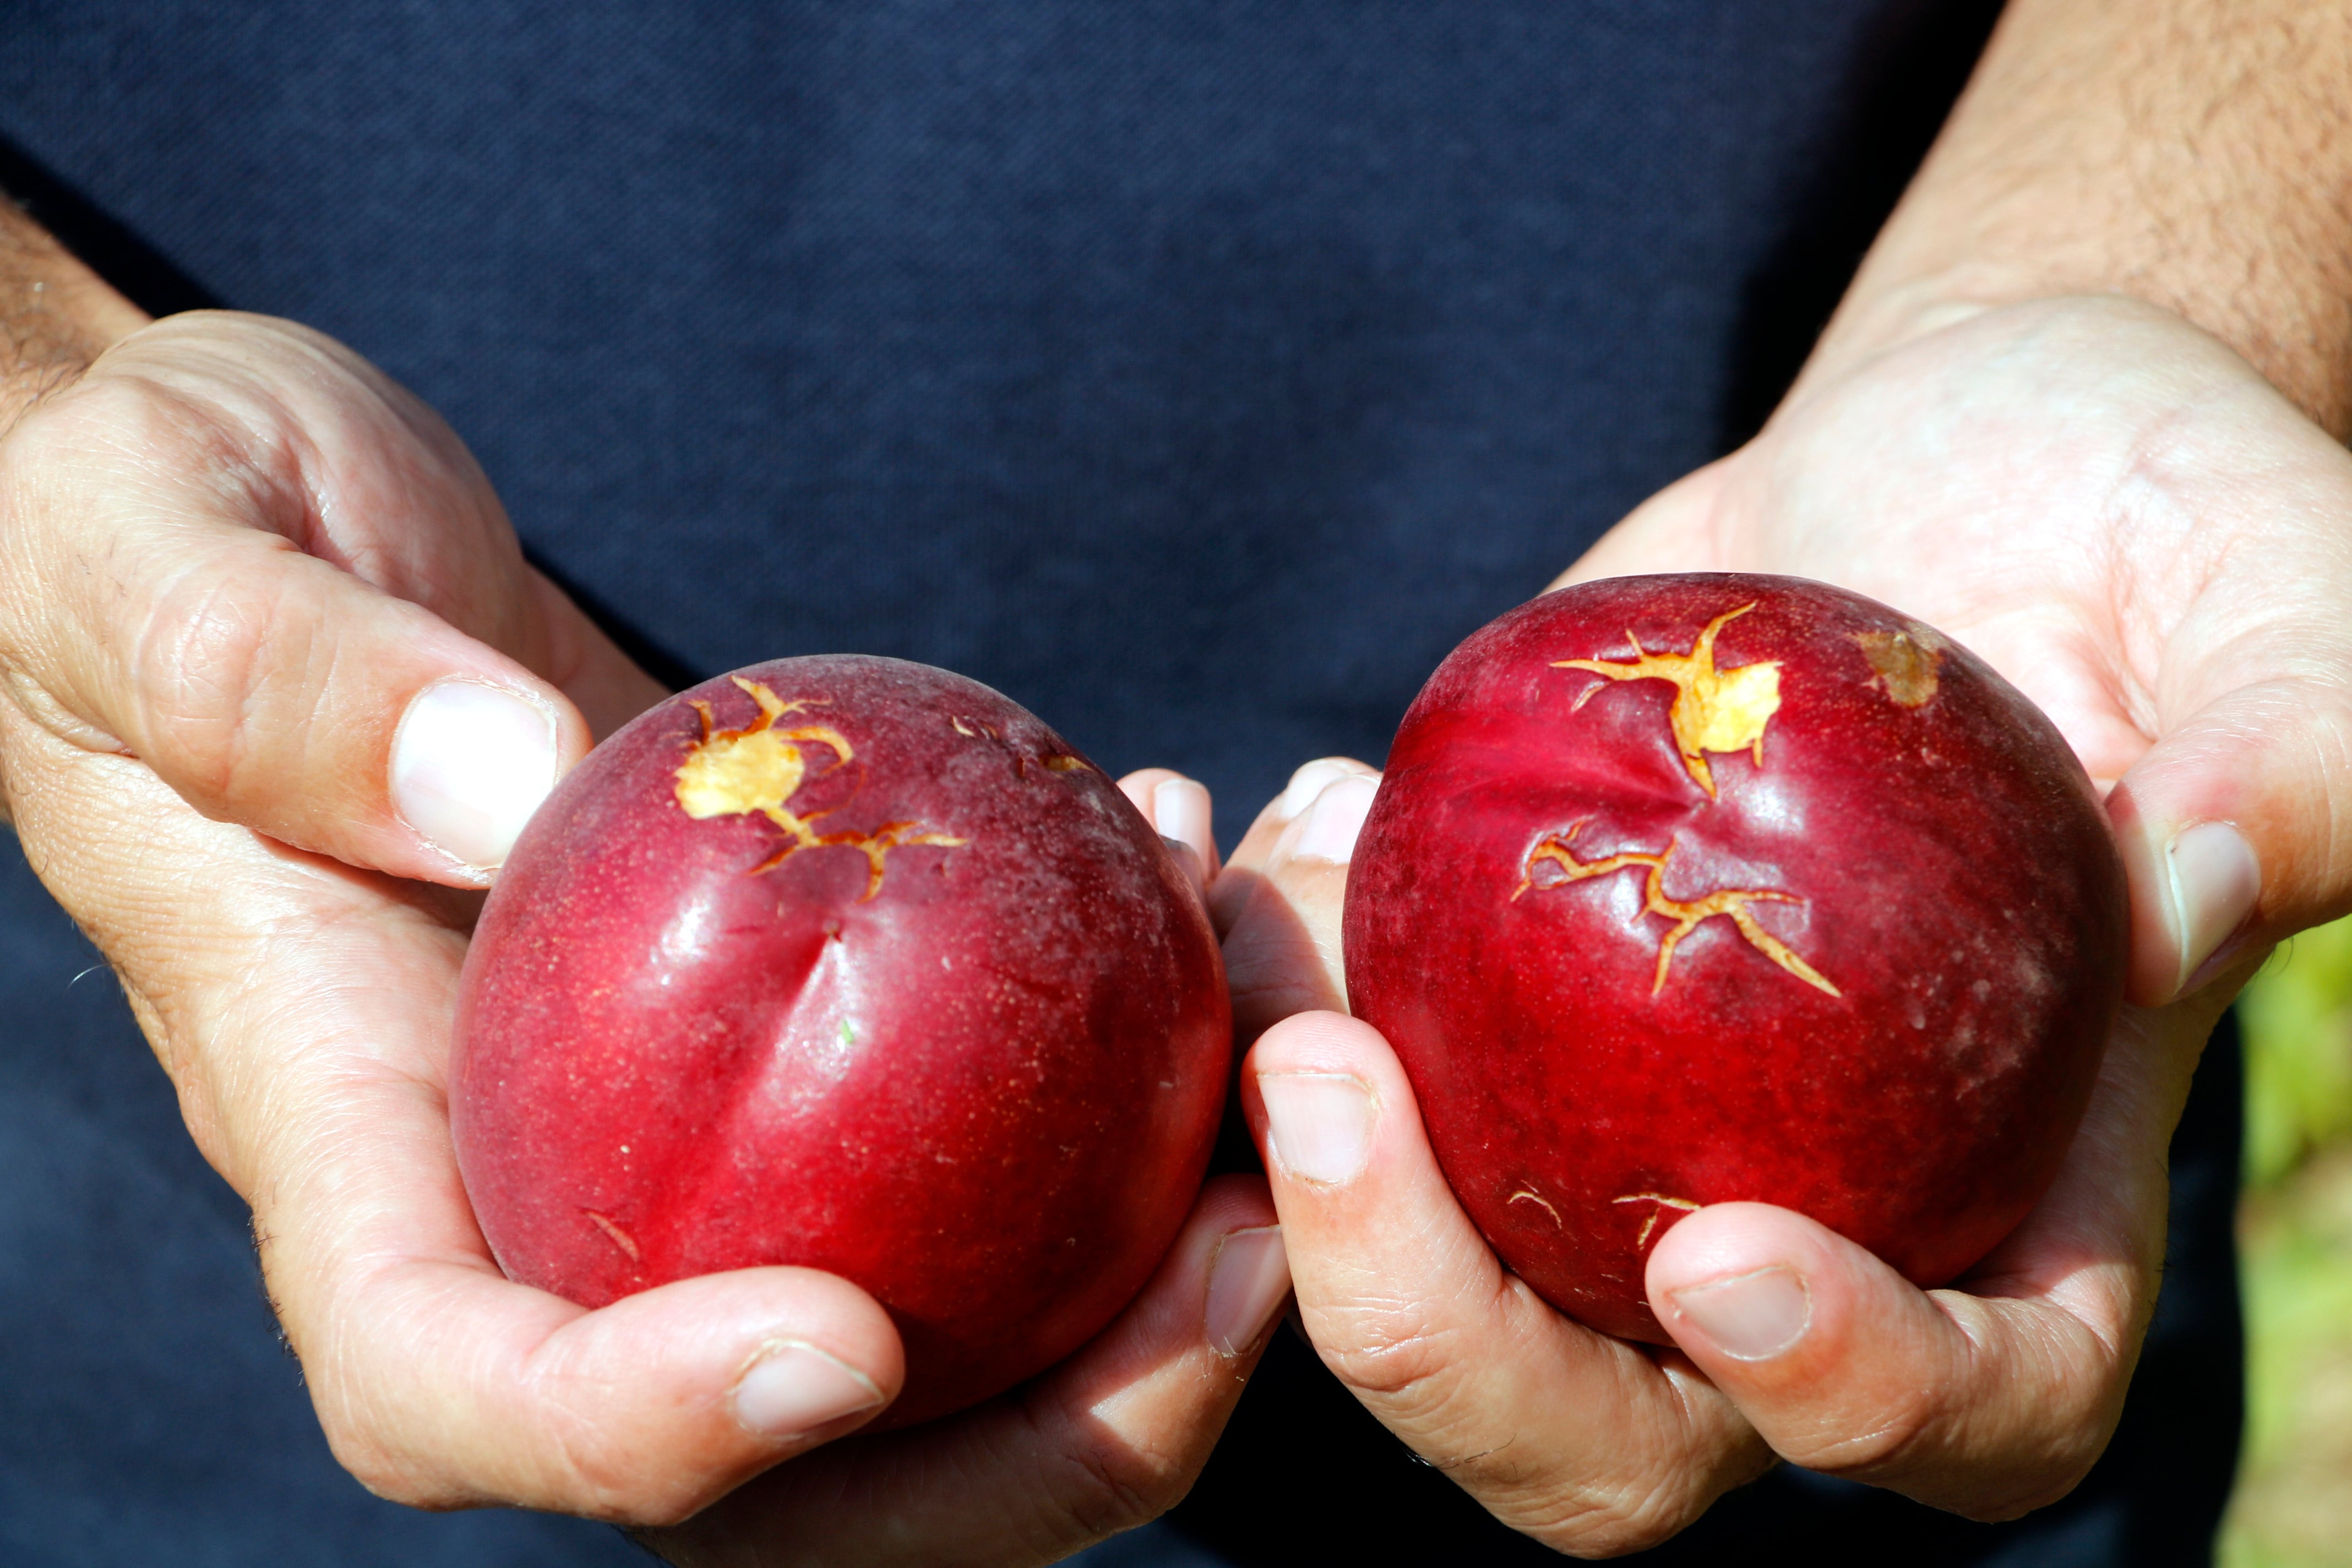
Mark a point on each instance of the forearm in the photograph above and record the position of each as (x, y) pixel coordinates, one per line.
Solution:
(56, 314)
(2189, 153)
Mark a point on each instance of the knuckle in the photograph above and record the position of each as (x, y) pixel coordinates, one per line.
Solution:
(574, 1457)
(1095, 1486)
(1587, 1515)
(383, 1468)
(598, 1476)
(1633, 1498)
(1390, 1354)
(1908, 1427)
(1092, 1482)
(217, 636)
(1632, 1520)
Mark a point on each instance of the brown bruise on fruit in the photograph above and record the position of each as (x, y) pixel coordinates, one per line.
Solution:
(760, 768)
(1729, 903)
(1651, 1224)
(1715, 709)
(1905, 662)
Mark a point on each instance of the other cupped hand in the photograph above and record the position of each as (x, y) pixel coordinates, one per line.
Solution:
(2147, 540)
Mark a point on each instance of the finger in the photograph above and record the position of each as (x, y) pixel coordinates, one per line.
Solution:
(2236, 825)
(1308, 782)
(1106, 1441)
(473, 1390)
(1180, 811)
(174, 592)
(1983, 1405)
(305, 1016)
(1588, 1444)
(1992, 1397)
(1279, 903)
(439, 1383)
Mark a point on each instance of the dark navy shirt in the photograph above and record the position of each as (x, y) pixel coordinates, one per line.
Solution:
(1195, 371)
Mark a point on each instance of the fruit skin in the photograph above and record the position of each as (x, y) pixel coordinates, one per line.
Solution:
(984, 1089)
(1959, 889)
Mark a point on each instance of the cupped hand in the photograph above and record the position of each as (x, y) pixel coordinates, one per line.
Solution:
(2144, 538)
(275, 667)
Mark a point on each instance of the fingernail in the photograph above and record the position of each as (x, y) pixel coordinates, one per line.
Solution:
(1180, 807)
(1188, 861)
(1748, 1317)
(469, 765)
(1249, 1280)
(2213, 882)
(1330, 828)
(795, 1388)
(1308, 782)
(1320, 1124)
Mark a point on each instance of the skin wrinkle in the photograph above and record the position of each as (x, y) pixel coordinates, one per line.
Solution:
(1430, 1409)
(142, 422)
(1607, 1518)
(593, 1465)
(217, 648)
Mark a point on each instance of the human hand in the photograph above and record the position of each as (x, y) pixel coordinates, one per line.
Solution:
(2138, 533)
(274, 666)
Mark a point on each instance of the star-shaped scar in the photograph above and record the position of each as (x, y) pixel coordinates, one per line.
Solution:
(1715, 709)
(760, 768)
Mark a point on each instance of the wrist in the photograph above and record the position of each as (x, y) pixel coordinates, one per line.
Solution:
(2173, 152)
(56, 316)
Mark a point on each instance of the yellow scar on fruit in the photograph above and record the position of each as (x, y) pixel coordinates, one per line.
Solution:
(760, 768)
(1651, 1224)
(1715, 709)
(1729, 903)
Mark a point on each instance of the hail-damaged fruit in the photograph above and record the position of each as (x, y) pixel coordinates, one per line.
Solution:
(1686, 890)
(850, 963)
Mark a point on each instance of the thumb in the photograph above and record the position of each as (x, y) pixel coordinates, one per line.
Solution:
(2236, 826)
(154, 601)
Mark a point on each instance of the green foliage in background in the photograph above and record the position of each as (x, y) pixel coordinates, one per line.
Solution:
(2293, 1508)
(2298, 1019)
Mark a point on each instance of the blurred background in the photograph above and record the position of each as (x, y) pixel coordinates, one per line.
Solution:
(2293, 1508)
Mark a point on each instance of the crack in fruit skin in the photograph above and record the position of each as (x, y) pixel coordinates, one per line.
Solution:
(1530, 1196)
(615, 1234)
(760, 768)
(1729, 903)
(1651, 1224)
(1713, 711)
